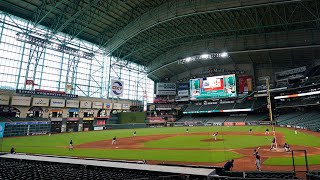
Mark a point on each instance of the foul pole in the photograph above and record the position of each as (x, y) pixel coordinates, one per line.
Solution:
(270, 111)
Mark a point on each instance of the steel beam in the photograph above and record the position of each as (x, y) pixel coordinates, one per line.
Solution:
(162, 14)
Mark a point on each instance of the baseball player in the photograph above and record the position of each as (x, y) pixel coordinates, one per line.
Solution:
(250, 131)
(267, 132)
(134, 134)
(295, 132)
(71, 145)
(187, 131)
(258, 159)
(273, 144)
(287, 147)
(214, 135)
(114, 140)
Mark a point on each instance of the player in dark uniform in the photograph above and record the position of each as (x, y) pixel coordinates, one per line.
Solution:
(229, 165)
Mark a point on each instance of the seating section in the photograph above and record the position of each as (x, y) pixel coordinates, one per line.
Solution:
(309, 120)
(225, 106)
(214, 119)
(35, 170)
(299, 102)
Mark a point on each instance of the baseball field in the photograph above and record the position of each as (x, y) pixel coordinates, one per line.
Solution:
(174, 145)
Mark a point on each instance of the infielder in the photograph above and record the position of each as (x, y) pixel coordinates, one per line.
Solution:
(258, 159)
(214, 135)
(114, 140)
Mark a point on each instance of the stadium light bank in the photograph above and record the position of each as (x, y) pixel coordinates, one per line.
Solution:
(203, 57)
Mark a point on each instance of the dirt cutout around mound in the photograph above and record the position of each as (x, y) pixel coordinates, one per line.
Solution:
(246, 162)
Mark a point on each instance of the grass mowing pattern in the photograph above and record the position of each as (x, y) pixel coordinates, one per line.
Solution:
(159, 155)
(194, 141)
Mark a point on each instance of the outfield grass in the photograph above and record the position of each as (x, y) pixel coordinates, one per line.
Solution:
(55, 144)
(312, 160)
(194, 141)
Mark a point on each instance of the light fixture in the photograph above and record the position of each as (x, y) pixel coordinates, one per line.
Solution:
(205, 56)
(224, 54)
(188, 59)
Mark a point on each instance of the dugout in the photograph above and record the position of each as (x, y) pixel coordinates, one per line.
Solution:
(87, 123)
(56, 124)
(35, 112)
(71, 124)
(9, 111)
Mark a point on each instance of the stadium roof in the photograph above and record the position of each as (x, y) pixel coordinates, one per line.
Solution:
(157, 33)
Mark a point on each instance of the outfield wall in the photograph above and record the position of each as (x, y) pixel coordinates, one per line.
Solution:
(132, 117)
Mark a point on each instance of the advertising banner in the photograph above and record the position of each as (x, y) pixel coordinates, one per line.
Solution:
(125, 106)
(72, 119)
(97, 105)
(228, 123)
(46, 93)
(85, 104)
(4, 100)
(72, 103)
(88, 119)
(117, 88)
(57, 103)
(56, 119)
(166, 89)
(98, 128)
(182, 93)
(2, 126)
(43, 102)
(216, 124)
(20, 101)
(107, 106)
(213, 87)
(101, 122)
(240, 123)
(183, 86)
(116, 106)
(245, 84)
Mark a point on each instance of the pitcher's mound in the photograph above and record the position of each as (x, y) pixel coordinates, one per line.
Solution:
(211, 140)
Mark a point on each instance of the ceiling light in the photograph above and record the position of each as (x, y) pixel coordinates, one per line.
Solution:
(224, 55)
(188, 59)
(205, 56)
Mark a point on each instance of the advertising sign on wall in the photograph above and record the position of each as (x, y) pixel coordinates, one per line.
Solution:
(97, 105)
(117, 88)
(117, 106)
(213, 87)
(43, 102)
(228, 123)
(166, 89)
(57, 103)
(46, 93)
(20, 101)
(72, 103)
(245, 84)
(107, 106)
(85, 104)
(125, 106)
(4, 100)
(182, 93)
(240, 123)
